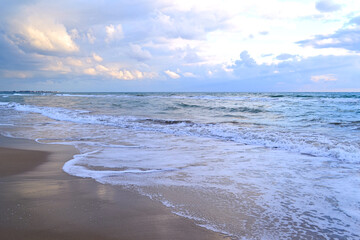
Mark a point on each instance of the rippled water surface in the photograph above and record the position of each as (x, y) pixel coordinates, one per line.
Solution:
(252, 165)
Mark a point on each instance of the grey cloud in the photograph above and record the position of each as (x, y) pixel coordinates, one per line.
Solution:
(138, 53)
(140, 26)
(347, 38)
(245, 60)
(355, 20)
(293, 74)
(191, 56)
(247, 70)
(285, 56)
(140, 23)
(327, 6)
(12, 58)
(186, 25)
(82, 14)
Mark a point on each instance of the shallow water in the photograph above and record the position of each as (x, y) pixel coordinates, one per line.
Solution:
(252, 165)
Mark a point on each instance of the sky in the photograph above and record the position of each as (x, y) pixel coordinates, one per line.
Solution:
(180, 45)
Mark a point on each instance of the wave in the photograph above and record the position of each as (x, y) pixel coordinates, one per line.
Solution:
(23, 94)
(166, 122)
(277, 96)
(347, 124)
(237, 109)
(223, 109)
(241, 97)
(246, 109)
(184, 105)
(88, 95)
(321, 145)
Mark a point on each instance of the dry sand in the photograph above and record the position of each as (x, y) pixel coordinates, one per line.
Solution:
(39, 201)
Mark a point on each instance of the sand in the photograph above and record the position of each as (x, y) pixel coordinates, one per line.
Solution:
(14, 161)
(39, 201)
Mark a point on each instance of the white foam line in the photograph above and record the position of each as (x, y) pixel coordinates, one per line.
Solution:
(38, 140)
(6, 134)
(243, 135)
(197, 220)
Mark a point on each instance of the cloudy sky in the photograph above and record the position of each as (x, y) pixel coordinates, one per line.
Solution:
(180, 45)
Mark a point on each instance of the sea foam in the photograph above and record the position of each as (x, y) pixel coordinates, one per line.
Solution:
(253, 166)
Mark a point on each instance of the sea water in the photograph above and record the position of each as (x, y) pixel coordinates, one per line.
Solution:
(250, 165)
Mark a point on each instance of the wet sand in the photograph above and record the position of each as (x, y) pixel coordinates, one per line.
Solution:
(15, 161)
(39, 201)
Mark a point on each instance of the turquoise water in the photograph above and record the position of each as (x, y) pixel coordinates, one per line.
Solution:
(252, 165)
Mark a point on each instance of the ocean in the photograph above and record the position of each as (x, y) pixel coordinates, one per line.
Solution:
(250, 165)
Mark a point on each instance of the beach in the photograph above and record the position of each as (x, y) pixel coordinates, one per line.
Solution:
(180, 120)
(180, 165)
(40, 201)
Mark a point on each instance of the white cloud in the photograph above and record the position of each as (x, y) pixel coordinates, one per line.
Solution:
(327, 41)
(56, 65)
(90, 36)
(90, 71)
(74, 33)
(116, 72)
(102, 68)
(203, 38)
(324, 78)
(122, 74)
(97, 57)
(74, 62)
(42, 34)
(171, 74)
(114, 32)
(130, 75)
(189, 74)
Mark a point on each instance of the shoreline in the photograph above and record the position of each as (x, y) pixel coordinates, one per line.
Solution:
(40, 201)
